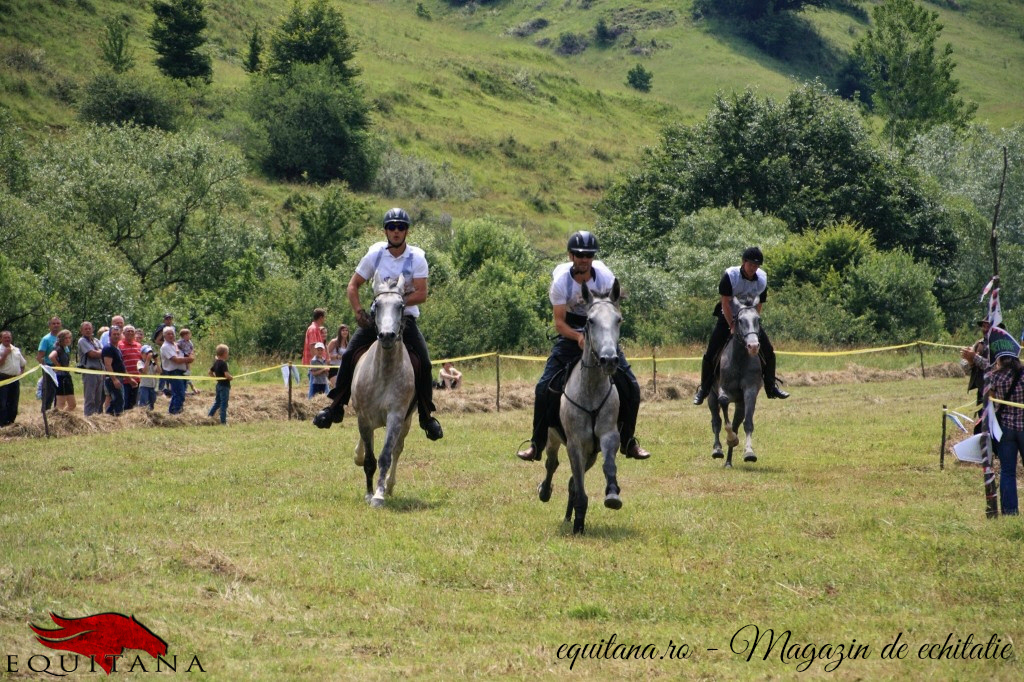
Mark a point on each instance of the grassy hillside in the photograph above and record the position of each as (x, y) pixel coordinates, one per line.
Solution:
(539, 134)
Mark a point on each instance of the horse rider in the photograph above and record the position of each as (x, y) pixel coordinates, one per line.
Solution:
(570, 319)
(389, 258)
(739, 281)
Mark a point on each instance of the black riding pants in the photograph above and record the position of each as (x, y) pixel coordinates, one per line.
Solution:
(545, 406)
(413, 339)
(719, 337)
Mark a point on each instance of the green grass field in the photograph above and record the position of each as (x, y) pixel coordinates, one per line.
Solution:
(251, 547)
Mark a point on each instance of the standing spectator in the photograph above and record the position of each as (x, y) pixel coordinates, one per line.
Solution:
(131, 353)
(158, 335)
(449, 376)
(335, 347)
(318, 374)
(117, 320)
(158, 339)
(188, 349)
(313, 336)
(89, 357)
(12, 364)
(174, 363)
(114, 362)
(60, 356)
(150, 376)
(223, 390)
(47, 344)
(1005, 384)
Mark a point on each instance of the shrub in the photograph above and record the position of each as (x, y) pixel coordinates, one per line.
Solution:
(312, 124)
(571, 43)
(639, 78)
(406, 176)
(124, 98)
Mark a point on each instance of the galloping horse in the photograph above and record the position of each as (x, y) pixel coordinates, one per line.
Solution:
(739, 381)
(383, 390)
(589, 409)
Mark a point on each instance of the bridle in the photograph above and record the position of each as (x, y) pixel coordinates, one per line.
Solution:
(401, 310)
(583, 361)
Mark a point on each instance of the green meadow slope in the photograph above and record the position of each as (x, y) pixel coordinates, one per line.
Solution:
(540, 135)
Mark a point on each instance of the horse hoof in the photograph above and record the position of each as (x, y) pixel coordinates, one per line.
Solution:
(368, 497)
(544, 491)
(613, 501)
(750, 457)
(377, 502)
(727, 465)
(717, 454)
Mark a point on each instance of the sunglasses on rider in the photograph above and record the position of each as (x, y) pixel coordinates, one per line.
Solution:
(581, 254)
(401, 227)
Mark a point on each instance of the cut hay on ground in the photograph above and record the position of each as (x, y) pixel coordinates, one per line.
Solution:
(265, 402)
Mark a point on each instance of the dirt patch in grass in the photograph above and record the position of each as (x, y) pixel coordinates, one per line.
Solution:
(270, 402)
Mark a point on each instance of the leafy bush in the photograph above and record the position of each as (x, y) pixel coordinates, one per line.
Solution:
(311, 124)
(404, 176)
(892, 294)
(327, 225)
(639, 78)
(571, 43)
(810, 257)
(124, 98)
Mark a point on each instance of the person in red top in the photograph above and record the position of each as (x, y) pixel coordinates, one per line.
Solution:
(314, 335)
(131, 352)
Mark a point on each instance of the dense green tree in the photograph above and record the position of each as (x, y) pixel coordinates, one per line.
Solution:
(808, 160)
(310, 124)
(165, 203)
(639, 78)
(13, 161)
(177, 36)
(323, 226)
(911, 79)
(115, 49)
(254, 57)
(128, 98)
(312, 35)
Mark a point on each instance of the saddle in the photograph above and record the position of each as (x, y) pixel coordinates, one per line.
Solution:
(556, 387)
(413, 358)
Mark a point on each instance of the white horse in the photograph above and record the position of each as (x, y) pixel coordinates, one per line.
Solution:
(589, 409)
(739, 382)
(384, 390)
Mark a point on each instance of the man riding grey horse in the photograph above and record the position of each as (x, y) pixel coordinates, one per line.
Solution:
(570, 318)
(388, 259)
(738, 282)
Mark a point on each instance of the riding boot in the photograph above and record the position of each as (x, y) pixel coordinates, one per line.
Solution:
(334, 413)
(429, 424)
(771, 387)
(707, 370)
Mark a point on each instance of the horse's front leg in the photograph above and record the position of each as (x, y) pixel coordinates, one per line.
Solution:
(389, 485)
(394, 430)
(364, 455)
(610, 446)
(577, 491)
(716, 426)
(749, 403)
(550, 465)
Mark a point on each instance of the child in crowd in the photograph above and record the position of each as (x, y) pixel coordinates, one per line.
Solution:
(151, 373)
(60, 356)
(318, 375)
(223, 390)
(187, 348)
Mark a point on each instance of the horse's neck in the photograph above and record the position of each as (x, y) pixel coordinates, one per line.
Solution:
(588, 379)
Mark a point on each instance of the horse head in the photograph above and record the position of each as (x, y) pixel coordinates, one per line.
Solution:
(388, 309)
(602, 330)
(748, 325)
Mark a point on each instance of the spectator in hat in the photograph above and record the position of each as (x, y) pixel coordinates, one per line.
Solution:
(318, 373)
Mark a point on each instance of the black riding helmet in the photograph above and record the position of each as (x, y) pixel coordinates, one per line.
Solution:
(396, 215)
(753, 254)
(583, 242)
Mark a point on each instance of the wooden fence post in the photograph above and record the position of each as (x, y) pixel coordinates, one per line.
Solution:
(497, 374)
(942, 448)
(289, 389)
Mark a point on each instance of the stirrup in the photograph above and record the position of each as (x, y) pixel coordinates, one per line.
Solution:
(433, 429)
(530, 454)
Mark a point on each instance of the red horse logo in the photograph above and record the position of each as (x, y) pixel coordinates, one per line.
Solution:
(101, 637)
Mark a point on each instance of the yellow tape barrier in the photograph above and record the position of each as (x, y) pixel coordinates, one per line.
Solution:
(463, 358)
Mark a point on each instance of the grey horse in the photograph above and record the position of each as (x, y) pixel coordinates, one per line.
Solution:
(384, 391)
(739, 381)
(589, 409)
